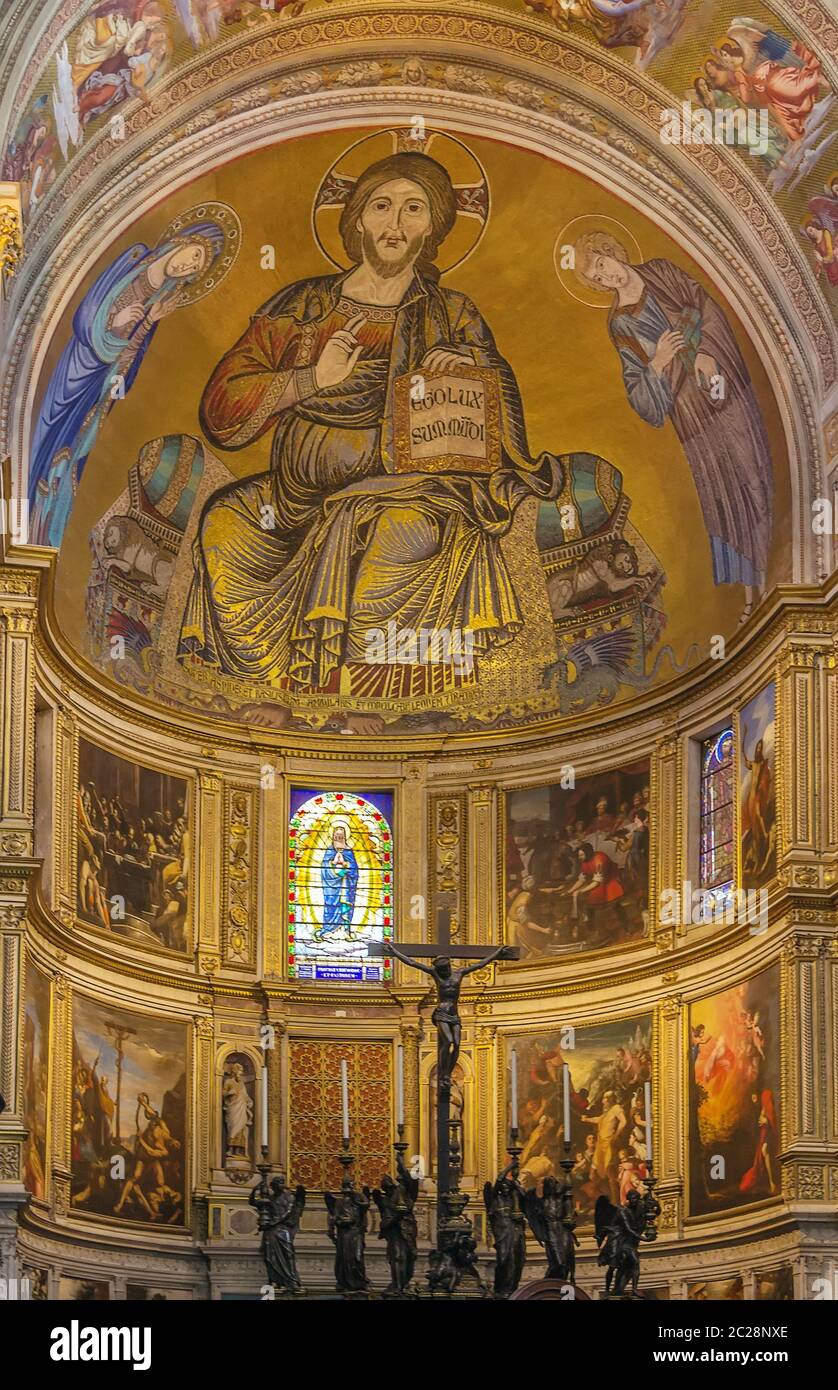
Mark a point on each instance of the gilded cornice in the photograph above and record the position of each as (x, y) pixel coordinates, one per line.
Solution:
(66, 677)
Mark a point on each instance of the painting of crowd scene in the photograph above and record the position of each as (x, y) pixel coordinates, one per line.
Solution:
(734, 1074)
(129, 1114)
(609, 1066)
(577, 863)
(133, 849)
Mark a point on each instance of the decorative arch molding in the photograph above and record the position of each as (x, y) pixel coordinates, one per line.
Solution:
(724, 244)
(807, 18)
(564, 65)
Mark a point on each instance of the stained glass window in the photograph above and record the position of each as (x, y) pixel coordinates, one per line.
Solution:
(717, 849)
(340, 884)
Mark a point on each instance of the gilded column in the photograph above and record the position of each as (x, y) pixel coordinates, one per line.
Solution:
(208, 856)
(64, 837)
(18, 589)
(483, 897)
(669, 1116)
(487, 1103)
(410, 1031)
(238, 915)
(666, 835)
(807, 1080)
(447, 836)
(277, 1058)
(807, 811)
(273, 851)
(62, 1090)
(203, 1122)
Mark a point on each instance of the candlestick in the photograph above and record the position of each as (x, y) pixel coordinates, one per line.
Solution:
(566, 1083)
(344, 1095)
(400, 1088)
(265, 1103)
(648, 1098)
(513, 1093)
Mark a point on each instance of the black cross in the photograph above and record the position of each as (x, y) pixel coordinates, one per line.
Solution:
(411, 953)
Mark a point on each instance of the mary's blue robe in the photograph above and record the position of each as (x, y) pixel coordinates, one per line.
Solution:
(72, 409)
(339, 885)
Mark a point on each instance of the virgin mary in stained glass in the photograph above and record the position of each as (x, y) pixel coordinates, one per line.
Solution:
(339, 877)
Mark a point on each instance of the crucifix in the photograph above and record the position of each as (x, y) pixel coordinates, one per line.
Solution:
(446, 1020)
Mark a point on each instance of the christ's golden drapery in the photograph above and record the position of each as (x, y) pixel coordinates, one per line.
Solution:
(295, 566)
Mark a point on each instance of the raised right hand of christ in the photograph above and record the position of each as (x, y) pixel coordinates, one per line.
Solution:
(340, 354)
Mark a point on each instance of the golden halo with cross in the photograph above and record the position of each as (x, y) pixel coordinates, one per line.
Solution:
(467, 174)
(626, 248)
(225, 232)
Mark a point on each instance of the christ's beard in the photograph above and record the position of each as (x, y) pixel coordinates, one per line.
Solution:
(388, 270)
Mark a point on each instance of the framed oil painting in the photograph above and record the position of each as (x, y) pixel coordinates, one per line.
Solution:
(609, 1066)
(36, 1028)
(757, 789)
(133, 831)
(734, 1096)
(129, 1114)
(577, 863)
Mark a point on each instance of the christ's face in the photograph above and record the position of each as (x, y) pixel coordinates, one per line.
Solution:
(394, 225)
(608, 272)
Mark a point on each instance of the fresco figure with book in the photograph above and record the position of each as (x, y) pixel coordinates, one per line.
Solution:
(399, 458)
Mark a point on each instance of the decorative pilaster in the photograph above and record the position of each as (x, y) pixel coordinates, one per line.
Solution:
(208, 854)
(410, 1031)
(203, 1119)
(62, 1090)
(807, 1113)
(238, 913)
(487, 1104)
(65, 838)
(807, 795)
(18, 590)
(447, 835)
(277, 1057)
(669, 1112)
(273, 854)
(484, 925)
(666, 835)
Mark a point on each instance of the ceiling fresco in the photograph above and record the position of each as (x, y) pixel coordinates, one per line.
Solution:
(301, 508)
(107, 61)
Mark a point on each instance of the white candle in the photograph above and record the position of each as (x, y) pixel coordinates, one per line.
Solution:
(265, 1104)
(399, 1087)
(344, 1096)
(648, 1095)
(513, 1088)
(566, 1081)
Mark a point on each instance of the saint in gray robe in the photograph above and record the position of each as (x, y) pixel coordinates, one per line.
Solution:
(724, 440)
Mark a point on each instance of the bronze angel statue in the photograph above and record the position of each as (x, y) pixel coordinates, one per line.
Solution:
(279, 1211)
(348, 1210)
(395, 1200)
(619, 1231)
(505, 1201)
(552, 1223)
